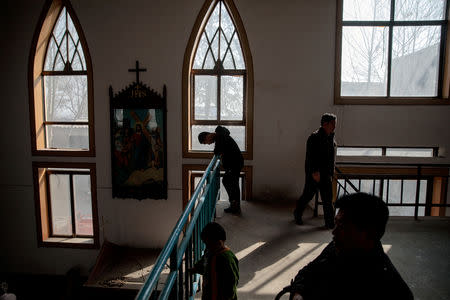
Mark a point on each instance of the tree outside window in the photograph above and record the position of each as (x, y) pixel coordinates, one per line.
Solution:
(391, 48)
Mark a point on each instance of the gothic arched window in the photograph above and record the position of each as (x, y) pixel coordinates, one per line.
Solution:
(62, 124)
(61, 81)
(217, 79)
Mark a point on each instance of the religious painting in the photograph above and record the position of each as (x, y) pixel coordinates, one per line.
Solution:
(138, 137)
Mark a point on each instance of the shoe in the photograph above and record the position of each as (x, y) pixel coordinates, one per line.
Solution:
(298, 219)
(329, 226)
(233, 210)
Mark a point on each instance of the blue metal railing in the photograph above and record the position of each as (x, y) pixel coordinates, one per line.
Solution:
(199, 211)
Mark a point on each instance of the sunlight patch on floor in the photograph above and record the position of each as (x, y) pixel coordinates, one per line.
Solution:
(243, 253)
(386, 248)
(287, 267)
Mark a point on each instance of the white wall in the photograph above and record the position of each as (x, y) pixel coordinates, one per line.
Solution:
(293, 56)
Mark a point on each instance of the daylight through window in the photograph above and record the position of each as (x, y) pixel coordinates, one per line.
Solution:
(219, 78)
(391, 48)
(65, 88)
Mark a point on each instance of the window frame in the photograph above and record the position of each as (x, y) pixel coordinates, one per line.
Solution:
(188, 176)
(384, 149)
(435, 175)
(444, 66)
(188, 82)
(42, 206)
(36, 73)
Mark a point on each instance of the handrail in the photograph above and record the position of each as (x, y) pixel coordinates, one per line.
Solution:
(346, 180)
(418, 176)
(199, 211)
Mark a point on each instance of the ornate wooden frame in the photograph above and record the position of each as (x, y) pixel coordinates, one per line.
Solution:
(135, 99)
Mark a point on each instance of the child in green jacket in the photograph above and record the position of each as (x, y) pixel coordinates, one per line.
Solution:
(219, 266)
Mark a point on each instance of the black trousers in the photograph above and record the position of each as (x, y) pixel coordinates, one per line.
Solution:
(310, 189)
(230, 181)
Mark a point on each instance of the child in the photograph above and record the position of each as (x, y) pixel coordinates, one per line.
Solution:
(219, 266)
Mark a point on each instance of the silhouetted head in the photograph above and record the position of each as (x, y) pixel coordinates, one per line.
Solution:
(206, 137)
(328, 123)
(360, 222)
(213, 231)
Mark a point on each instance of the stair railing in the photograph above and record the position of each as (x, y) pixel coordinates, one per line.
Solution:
(187, 247)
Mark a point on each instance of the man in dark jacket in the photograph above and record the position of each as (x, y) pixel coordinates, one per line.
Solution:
(232, 162)
(353, 266)
(319, 169)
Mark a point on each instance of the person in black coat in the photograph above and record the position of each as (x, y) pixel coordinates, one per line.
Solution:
(232, 162)
(354, 265)
(319, 169)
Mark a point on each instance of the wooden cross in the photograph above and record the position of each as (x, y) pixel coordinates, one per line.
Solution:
(137, 70)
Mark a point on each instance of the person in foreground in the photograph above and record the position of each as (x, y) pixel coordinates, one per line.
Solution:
(219, 266)
(353, 265)
(232, 162)
(319, 170)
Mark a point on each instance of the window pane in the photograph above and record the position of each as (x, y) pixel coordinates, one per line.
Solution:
(64, 37)
(366, 186)
(67, 137)
(60, 26)
(385, 188)
(201, 52)
(405, 152)
(223, 192)
(377, 187)
(419, 10)
(51, 53)
(415, 61)
(215, 47)
(364, 60)
(213, 23)
(423, 191)
(205, 98)
(348, 186)
(228, 62)
(210, 62)
(83, 204)
(66, 98)
(409, 191)
(357, 151)
(232, 97)
(340, 187)
(366, 10)
(71, 28)
(60, 204)
(226, 23)
(223, 45)
(237, 53)
(395, 188)
(236, 132)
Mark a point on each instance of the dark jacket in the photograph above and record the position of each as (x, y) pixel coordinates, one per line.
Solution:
(320, 153)
(229, 151)
(365, 276)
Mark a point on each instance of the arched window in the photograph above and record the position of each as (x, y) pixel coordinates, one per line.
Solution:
(61, 84)
(217, 79)
(62, 124)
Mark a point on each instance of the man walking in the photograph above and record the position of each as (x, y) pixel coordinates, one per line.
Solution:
(319, 169)
(232, 162)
